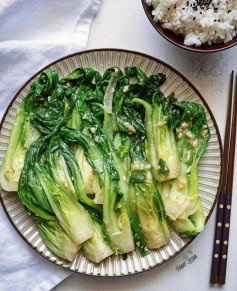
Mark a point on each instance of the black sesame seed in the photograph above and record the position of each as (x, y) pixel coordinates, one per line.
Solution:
(203, 3)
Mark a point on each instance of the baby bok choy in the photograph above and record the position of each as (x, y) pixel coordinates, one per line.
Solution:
(182, 202)
(66, 172)
(99, 160)
(30, 190)
(149, 204)
(23, 132)
(71, 214)
(116, 225)
(56, 239)
(115, 217)
(88, 84)
(161, 144)
(122, 188)
(97, 248)
(32, 195)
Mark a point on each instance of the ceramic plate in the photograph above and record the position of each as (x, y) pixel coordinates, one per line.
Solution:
(209, 166)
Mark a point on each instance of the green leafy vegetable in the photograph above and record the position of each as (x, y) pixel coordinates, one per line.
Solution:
(65, 170)
(72, 216)
(56, 239)
(23, 132)
(182, 203)
(116, 219)
(149, 204)
(162, 148)
(99, 160)
(96, 248)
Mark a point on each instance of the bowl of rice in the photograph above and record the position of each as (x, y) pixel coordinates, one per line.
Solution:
(196, 25)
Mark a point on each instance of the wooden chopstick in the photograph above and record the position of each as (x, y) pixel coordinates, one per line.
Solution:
(229, 187)
(220, 250)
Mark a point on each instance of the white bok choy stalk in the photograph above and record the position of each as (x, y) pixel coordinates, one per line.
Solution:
(149, 204)
(183, 203)
(162, 150)
(56, 239)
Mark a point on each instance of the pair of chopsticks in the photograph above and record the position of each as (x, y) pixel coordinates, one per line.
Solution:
(220, 250)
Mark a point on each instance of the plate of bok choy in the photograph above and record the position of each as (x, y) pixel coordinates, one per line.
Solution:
(110, 162)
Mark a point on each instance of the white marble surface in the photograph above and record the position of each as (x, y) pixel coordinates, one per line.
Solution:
(123, 24)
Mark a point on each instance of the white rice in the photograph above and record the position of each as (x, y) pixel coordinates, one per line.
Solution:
(199, 24)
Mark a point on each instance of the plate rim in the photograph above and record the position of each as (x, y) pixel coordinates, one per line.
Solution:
(195, 90)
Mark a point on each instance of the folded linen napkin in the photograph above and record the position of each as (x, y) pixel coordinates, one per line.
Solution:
(33, 34)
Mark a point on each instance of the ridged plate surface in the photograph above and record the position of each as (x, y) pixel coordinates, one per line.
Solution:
(209, 167)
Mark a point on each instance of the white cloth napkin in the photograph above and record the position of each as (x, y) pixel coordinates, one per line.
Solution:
(33, 34)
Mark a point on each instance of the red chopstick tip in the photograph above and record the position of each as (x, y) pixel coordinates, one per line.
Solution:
(214, 279)
(221, 280)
